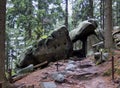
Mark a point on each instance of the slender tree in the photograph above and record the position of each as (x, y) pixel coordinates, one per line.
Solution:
(102, 13)
(90, 15)
(91, 8)
(2, 40)
(108, 24)
(66, 15)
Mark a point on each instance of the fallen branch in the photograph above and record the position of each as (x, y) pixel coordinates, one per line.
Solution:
(39, 65)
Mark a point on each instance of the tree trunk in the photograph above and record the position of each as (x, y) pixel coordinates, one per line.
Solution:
(66, 14)
(29, 21)
(90, 38)
(91, 8)
(2, 40)
(108, 24)
(102, 13)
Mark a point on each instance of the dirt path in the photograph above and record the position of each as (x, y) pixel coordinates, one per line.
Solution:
(85, 75)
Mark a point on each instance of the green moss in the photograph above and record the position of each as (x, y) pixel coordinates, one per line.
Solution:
(44, 37)
(7, 75)
(107, 73)
(99, 62)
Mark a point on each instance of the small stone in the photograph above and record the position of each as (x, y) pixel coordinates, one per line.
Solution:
(105, 56)
(63, 72)
(48, 85)
(71, 62)
(58, 77)
(70, 67)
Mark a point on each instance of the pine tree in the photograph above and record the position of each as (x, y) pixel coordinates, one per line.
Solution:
(108, 24)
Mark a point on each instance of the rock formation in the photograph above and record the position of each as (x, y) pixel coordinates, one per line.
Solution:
(59, 45)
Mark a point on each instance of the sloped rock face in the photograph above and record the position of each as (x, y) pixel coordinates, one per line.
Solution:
(57, 46)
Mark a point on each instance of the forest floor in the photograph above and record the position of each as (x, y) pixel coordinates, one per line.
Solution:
(85, 74)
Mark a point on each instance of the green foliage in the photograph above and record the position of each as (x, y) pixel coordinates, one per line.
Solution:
(80, 10)
(48, 13)
(28, 21)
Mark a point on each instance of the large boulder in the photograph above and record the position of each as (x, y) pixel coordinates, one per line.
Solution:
(83, 30)
(57, 46)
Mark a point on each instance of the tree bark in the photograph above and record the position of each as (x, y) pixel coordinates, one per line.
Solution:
(108, 24)
(2, 40)
(91, 8)
(66, 15)
(102, 13)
